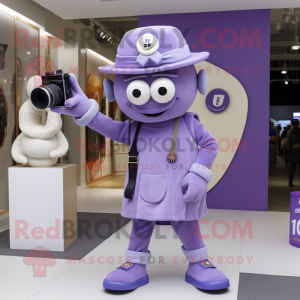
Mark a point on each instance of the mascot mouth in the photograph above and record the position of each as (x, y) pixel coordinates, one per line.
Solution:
(154, 115)
(154, 110)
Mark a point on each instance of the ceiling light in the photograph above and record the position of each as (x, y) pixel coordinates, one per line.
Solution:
(294, 19)
(287, 18)
(102, 34)
(286, 82)
(296, 45)
(284, 71)
(28, 52)
(109, 38)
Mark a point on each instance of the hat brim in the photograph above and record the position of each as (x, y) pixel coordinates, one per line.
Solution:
(193, 59)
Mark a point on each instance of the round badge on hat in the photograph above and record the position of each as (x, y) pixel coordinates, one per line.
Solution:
(147, 44)
(217, 101)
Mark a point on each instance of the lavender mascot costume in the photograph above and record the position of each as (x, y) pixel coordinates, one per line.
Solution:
(155, 84)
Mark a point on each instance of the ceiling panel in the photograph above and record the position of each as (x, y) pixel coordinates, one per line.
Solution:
(77, 9)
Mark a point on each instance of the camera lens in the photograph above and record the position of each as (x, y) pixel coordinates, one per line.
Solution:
(47, 96)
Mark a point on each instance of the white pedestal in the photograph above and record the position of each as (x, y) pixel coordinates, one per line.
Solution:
(42, 205)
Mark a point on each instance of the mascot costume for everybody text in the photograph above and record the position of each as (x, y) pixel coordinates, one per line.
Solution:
(170, 154)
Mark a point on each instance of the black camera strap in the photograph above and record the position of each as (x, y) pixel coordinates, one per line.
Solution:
(133, 161)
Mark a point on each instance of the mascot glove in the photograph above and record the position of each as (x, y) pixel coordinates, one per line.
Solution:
(78, 105)
(193, 187)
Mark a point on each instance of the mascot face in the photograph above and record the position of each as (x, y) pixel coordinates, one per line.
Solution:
(156, 97)
(155, 77)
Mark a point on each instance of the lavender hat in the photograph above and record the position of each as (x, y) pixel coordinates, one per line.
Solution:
(153, 49)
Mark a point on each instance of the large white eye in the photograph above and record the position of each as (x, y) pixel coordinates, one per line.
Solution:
(162, 90)
(138, 92)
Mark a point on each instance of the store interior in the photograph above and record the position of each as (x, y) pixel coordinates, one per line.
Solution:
(104, 161)
(284, 99)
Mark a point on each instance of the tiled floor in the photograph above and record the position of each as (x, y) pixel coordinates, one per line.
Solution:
(267, 252)
(93, 229)
(262, 287)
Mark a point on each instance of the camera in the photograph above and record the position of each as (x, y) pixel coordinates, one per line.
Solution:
(54, 91)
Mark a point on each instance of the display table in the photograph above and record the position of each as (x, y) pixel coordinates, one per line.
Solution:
(42, 207)
(295, 219)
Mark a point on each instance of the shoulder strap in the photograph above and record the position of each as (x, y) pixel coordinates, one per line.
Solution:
(133, 161)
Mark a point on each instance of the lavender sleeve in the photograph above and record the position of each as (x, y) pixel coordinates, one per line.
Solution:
(115, 130)
(208, 145)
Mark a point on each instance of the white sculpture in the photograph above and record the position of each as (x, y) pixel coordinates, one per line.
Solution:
(38, 145)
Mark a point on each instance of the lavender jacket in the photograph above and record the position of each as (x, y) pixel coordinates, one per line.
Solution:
(158, 192)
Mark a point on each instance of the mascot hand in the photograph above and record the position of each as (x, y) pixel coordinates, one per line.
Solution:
(78, 105)
(193, 187)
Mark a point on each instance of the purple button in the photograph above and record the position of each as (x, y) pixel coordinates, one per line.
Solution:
(217, 101)
(206, 264)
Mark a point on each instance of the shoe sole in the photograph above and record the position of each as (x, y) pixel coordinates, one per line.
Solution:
(210, 285)
(125, 286)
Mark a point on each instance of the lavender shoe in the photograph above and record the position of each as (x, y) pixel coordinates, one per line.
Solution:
(203, 275)
(129, 276)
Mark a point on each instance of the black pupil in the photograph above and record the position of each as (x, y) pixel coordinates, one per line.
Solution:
(162, 91)
(136, 93)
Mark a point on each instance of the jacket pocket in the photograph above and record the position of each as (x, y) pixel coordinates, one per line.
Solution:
(153, 187)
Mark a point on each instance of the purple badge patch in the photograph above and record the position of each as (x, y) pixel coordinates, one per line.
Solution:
(217, 101)
(206, 264)
(127, 266)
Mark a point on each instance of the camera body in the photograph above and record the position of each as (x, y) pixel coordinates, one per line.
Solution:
(53, 92)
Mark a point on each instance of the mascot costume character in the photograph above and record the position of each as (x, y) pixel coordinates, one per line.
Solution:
(170, 154)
